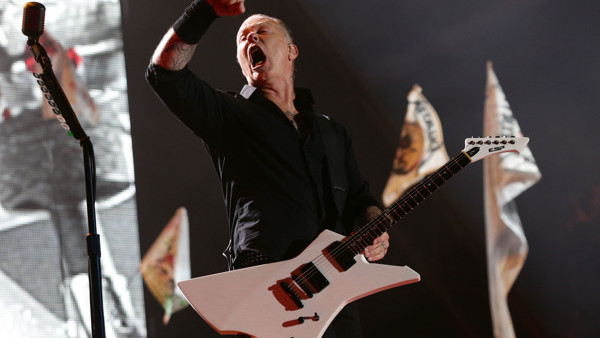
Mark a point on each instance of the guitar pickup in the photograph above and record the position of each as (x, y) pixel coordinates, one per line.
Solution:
(310, 279)
(340, 256)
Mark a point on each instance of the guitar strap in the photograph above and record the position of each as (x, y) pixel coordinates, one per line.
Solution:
(335, 151)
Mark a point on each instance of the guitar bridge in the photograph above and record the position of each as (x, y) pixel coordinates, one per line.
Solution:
(291, 293)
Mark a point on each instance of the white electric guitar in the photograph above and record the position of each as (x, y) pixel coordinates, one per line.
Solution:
(300, 297)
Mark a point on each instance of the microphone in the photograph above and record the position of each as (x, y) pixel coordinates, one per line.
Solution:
(33, 20)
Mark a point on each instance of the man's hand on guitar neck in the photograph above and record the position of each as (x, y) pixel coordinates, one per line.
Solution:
(381, 244)
(379, 248)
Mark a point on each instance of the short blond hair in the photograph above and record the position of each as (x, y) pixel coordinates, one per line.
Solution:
(286, 30)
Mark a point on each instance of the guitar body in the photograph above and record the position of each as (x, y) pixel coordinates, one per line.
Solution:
(250, 301)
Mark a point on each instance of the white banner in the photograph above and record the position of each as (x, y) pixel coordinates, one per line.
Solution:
(421, 149)
(506, 176)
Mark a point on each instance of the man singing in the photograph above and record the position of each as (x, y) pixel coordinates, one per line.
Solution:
(287, 172)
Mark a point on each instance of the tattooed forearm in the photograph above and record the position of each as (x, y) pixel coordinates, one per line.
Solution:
(172, 52)
(176, 55)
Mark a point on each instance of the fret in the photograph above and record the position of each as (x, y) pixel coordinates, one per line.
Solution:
(430, 184)
(411, 202)
(356, 249)
(363, 242)
(400, 212)
(397, 211)
(438, 179)
(371, 234)
(389, 217)
(414, 194)
(463, 159)
(445, 173)
(378, 229)
(405, 207)
(454, 167)
(374, 234)
(423, 191)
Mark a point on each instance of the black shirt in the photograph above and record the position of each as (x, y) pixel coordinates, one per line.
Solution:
(275, 179)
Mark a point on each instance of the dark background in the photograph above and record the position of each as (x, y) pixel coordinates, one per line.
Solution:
(361, 58)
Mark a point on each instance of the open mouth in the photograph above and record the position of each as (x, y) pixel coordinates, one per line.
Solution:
(257, 57)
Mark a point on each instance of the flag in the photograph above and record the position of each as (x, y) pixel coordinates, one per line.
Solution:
(506, 176)
(420, 150)
(167, 262)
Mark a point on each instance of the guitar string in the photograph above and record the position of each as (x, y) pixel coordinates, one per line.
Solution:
(382, 218)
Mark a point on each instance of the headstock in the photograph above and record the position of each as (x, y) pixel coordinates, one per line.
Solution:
(480, 147)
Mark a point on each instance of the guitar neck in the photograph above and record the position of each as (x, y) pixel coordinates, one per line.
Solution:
(393, 214)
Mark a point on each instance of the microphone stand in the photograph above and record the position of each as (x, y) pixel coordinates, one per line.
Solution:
(65, 114)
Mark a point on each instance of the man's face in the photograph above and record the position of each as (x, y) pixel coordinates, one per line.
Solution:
(264, 53)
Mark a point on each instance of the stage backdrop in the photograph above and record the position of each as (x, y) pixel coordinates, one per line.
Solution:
(361, 58)
(43, 217)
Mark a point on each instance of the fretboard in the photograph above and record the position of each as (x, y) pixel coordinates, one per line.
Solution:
(407, 202)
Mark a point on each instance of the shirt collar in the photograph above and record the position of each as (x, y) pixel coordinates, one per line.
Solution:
(247, 91)
(303, 100)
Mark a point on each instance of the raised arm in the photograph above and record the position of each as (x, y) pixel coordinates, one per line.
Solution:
(172, 52)
(177, 47)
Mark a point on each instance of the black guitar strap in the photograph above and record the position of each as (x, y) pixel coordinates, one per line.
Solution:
(335, 151)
